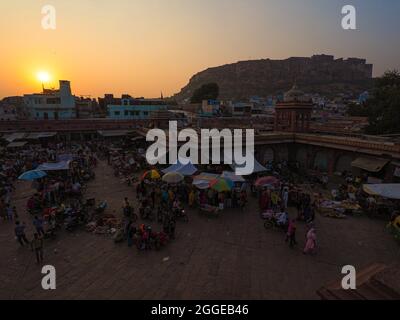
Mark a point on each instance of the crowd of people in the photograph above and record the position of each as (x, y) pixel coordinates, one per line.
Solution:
(57, 195)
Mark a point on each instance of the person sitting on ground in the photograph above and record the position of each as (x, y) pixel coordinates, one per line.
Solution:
(76, 188)
(282, 219)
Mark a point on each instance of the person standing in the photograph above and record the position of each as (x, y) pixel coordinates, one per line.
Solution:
(38, 224)
(192, 198)
(10, 213)
(291, 233)
(37, 246)
(20, 233)
(285, 197)
(311, 242)
(15, 213)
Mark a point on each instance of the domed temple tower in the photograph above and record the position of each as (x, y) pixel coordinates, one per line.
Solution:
(293, 114)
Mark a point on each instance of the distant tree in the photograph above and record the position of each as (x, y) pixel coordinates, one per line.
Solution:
(209, 91)
(357, 110)
(383, 108)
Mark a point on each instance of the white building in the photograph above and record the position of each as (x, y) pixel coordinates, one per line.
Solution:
(52, 104)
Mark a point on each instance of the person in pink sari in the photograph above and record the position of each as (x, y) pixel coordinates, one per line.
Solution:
(311, 243)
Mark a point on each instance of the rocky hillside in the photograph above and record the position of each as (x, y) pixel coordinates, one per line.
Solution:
(317, 74)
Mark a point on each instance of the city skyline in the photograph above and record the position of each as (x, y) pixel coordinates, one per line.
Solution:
(145, 48)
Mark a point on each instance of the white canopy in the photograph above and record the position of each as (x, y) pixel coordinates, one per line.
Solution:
(390, 191)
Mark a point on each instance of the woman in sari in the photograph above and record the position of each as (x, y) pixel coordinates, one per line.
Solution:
(311, 241)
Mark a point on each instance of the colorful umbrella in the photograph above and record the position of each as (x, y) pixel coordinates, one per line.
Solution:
(173, 177)
(270, 180)
(32, 175)
(221, 185)
(151, 175)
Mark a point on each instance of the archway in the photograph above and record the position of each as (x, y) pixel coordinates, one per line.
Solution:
(321, 161)
(301, 157)
(343, 163)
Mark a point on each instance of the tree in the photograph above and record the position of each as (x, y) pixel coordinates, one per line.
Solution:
(384, 106)
(357, 110)
(209, 91)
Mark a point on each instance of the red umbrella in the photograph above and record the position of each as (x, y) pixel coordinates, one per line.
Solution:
(270, 180)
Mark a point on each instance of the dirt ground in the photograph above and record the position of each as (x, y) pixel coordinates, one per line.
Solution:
(229, 257)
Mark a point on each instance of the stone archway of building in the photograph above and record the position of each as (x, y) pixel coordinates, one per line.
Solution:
(301, 157)
(343, 163)
(268, 155)
(321, 161)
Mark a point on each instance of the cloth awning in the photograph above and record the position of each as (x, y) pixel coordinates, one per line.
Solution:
(138, 138)
(390, 191)
(232, 176)
(184, 169)
(257, 167)
(14, 136)
(62, 165)
(39, 135)
(370, 164)
(17, 144)
(113, 133)
(65, 157)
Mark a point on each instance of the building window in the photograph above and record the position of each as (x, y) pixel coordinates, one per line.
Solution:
(117, 113)
(145, 113)
(126, 112)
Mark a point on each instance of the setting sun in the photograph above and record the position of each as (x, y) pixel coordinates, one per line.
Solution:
(43, 76)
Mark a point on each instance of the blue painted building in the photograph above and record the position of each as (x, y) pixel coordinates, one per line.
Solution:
(131, 108)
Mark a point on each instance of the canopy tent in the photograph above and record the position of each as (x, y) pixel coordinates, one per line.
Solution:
(14, 136)
(62, 165)
(32, 175)
(138, 138)
(39, 135)
(390, 191)
(114, 133)
(184, 169)
(232, 176)
(17, 144)
(370, 164)
(65, 157)
(257, 167)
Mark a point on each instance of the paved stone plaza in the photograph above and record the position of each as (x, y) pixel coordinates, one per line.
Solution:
(230, 257)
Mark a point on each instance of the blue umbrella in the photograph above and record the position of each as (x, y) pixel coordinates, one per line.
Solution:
(32, 175)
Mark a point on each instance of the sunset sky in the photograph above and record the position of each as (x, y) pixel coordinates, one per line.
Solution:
(143, 47)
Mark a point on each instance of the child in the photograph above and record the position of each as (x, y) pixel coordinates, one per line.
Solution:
(291, 233)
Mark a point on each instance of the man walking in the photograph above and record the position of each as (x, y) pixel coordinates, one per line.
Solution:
(38, 224)
(20, 233)
(37, 246)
